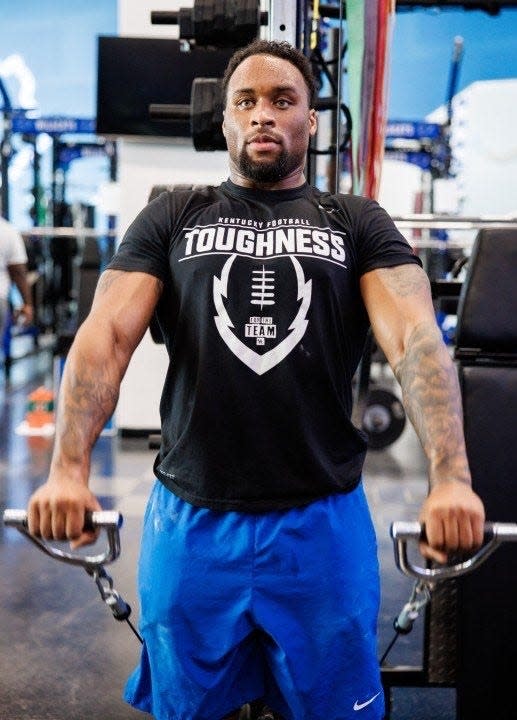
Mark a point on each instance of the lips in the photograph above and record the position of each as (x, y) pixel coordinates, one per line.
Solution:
(263, 141)
(263, 138)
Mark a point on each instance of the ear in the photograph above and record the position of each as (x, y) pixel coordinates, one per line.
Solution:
(223, 126)
(313, 122)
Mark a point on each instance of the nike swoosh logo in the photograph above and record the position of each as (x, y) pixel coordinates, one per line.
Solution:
(360, 706)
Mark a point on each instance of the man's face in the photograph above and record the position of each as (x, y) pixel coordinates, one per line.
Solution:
(267, 122)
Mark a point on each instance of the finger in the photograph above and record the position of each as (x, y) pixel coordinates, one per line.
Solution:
(33, 519)
(45, 522)
(434, 532)
(432, 554)
(478, 530)
(466, 537)
(58, 525)
(74, 523)
(85, 538)
(451, 534)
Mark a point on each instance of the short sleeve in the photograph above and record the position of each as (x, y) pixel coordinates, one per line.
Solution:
(145, 245)
(379, 242)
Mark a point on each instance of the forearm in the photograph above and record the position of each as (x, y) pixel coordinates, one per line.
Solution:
(431, 397)
(87, 398)
(402, 315)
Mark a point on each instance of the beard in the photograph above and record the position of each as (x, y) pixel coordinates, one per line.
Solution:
(268, 171)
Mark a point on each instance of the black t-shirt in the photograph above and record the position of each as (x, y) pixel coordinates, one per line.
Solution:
(264, 324)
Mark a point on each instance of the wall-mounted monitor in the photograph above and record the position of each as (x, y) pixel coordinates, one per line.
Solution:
(134, 72)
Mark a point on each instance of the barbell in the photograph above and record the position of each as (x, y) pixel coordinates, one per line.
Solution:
(219, 23)
(205, 113)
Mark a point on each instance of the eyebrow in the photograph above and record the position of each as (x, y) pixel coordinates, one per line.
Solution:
(277, 89)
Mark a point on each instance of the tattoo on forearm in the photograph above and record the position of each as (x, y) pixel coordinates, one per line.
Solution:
(90, 400)
(432, 400)
(98, 359)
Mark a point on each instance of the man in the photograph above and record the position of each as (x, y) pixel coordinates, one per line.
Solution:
(13, 269)
(258, 572)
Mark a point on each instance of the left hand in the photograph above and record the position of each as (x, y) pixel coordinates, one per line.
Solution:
(454, 518)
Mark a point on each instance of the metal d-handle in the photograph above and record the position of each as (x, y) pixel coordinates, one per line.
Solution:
(403, 532)
(108, 520)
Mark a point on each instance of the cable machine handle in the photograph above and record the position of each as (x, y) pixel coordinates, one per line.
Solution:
(108, 520)
(403, 532)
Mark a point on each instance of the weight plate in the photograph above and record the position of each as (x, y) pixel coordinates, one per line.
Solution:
(384, 418)
(207, 114)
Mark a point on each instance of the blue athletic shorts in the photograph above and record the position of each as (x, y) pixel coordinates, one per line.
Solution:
(237, 606)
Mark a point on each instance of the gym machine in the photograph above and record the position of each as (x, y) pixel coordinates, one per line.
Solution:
(427, 581)
(486, 351)
(108, 521)
(224, 24)
(470, 637)
(201, 25)
(61, 259)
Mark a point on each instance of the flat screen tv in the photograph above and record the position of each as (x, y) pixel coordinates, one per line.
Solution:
(134, 72)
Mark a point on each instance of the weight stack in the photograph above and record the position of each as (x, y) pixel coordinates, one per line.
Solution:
(440, 639)
(487, 620)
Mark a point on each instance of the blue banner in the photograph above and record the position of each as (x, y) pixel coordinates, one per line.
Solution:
(422, 159)
(410, 130)
(52, 125)
(67, 154)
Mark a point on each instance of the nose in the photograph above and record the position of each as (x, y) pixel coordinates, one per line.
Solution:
(262, 114)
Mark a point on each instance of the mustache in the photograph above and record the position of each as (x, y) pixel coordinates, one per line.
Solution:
(264, 137)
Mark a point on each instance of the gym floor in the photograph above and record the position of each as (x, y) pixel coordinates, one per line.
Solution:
(64, 656)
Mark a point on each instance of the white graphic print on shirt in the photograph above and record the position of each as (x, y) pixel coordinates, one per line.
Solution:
(261, 363)
(259, 252)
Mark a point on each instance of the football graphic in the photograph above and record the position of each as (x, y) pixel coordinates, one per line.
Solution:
(261, 307)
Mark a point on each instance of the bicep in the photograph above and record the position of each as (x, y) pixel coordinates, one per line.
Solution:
(123, 305)
(397, 299)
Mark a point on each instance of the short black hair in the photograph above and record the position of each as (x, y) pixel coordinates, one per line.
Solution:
(280, 49)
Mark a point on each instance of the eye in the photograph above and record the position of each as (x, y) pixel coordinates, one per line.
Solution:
(244, 103)
(283, 103)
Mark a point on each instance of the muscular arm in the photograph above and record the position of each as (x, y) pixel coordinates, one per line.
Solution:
(403, 321)
(121, 311)
(399, 304)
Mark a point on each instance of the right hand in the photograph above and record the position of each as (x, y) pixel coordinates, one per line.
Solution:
(57, 509)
